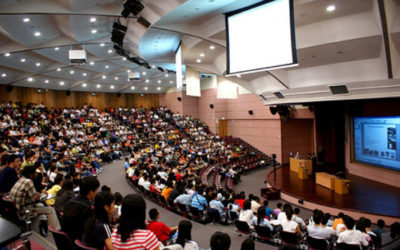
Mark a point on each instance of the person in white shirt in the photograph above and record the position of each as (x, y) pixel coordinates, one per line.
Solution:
(246, 214)
(316, 231)
(259, 219)
(297, 218)
(290, 225)
(351, 236)
(255, 204)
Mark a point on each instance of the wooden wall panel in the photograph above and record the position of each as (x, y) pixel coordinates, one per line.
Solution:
(58, 99)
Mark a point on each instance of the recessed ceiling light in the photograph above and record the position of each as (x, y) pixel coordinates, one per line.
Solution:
(84, 74)
(133, 87)
(171, 82)
(104, 77)
(94, 31)
(93, 19)
(98, 86)
(166, 75)
(109, 51)
(71, 72)
(129, 71)
(37, 33)
(159, 81)
(106, 66)
(212, 47)
(62, 83)
(238, 75)
(198, 60)
(30, 79)
(158, 88)
(46, 81)
(102, 44)
(330, 8)
(7, 54)
(123, 58)
(146, 88)
(112, 87)
(26, 19)
(202, 55)
(147, 80)
(144, 73)
(84, 85)
(56, 48)
(153, 66)
(116, 78)
(37, 64)
(3, 75)
(91, 63)
(23, 60)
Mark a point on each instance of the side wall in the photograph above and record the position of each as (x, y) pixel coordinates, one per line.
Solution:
(58, 99)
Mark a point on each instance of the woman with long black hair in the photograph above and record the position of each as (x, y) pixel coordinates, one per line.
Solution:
(97, 232)
(185, 236)
(132, 233)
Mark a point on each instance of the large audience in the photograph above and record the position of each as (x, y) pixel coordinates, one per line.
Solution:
(50, 159)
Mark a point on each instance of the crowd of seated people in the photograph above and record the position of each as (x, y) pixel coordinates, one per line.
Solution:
(57, 151)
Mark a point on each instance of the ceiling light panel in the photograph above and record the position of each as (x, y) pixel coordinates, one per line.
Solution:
(30, 59)
(23, 33)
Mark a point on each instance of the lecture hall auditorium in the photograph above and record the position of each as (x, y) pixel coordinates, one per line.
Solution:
(200, 124)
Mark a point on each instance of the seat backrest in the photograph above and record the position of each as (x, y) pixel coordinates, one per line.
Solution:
(195, 212)
(262, 231)
(317, 243)
(80, 246)
(62, 240)
(344, 246)
(242, 226)
(182, 207)
(288, 237)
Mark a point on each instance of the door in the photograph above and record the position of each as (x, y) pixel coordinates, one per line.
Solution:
(223, 128)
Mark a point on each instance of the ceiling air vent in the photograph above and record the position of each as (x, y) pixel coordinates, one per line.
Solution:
(339, 89)
(279, 95)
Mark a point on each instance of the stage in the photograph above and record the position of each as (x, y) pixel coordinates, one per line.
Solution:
(366, 198)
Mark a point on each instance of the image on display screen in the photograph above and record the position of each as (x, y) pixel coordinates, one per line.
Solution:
(377, 141)
(261, 37)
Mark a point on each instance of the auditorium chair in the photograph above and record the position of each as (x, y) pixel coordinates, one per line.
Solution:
(154, 197)
(62, 240)
(196, 214)
(317, 244)
(80, 246)
(183, 210)
(242, 227)
(289, 239)
(344, 246)
(263, 233)
(162, 200)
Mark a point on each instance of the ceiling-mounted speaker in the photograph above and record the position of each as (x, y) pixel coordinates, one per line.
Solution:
(279, 95)
(339, 89)
(143, 21)
(250, 112)
(211, 106)
(118, 94)
(273, 110)
(67, 93)
(10, 88)
(132, 6)
(179, 98)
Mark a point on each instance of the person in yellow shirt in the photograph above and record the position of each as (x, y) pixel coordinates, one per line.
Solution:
(52, 192)
(167, 190)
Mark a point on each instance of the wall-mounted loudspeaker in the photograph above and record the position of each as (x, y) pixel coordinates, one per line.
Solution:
(250, 112)
(179, 99)
(118, 94)
(211, 106)
(67, 93)
(10, 88)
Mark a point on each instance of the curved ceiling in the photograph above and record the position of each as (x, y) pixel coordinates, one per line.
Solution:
(344, 46)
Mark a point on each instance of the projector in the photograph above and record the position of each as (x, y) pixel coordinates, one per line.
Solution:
(77, 57)
(134, 76)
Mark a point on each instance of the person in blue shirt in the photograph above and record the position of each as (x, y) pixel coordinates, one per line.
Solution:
(268, 211)
(9, 174)
(126, 164)
(216, 204)
(198, 201)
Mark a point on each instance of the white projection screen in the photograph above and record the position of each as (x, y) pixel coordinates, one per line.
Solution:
(261, 37)
(178, 65)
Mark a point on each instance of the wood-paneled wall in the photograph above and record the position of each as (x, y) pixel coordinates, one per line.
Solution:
(59, 99)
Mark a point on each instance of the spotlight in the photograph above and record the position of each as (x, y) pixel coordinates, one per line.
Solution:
(132, 6)
(118, 33)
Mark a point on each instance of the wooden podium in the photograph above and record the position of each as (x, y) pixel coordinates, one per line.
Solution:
(342, 186)
(325, 180)
(302, 174)
(296, 163)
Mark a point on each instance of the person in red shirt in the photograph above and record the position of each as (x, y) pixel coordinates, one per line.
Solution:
(161, 230)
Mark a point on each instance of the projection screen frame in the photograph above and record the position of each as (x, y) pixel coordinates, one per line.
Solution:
(292, 34)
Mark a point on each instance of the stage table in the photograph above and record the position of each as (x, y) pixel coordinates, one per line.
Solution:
(325, 180)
